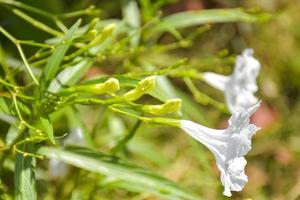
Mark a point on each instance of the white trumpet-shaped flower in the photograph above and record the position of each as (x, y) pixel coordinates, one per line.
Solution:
(229, 146)
(240, 86)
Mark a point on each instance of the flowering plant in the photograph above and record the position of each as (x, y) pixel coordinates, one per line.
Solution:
(75, 100)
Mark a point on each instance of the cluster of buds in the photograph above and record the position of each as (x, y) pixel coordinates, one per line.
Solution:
(229, 146)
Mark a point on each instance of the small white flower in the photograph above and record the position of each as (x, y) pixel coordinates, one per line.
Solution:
(229, 146)
(241, 84)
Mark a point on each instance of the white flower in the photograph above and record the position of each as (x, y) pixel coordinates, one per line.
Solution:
(229, 146)
(240, 85)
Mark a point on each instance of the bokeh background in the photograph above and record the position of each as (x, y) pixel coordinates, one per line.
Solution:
(274, 162)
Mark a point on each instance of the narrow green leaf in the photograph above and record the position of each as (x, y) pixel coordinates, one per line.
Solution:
(12, 133)
(192, 18)
(6, 113)
(79, 133)
(48, 128)
(56, 58)
(131, 15)
(124, 174)
(25, 188)
(4, 107)
(70, 75)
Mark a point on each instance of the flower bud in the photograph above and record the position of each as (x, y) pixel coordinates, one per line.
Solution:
(93, 23)
(109, 86)
(106, 31)
(91, 34)
(143, 87)
(109, 28)
(170, 106)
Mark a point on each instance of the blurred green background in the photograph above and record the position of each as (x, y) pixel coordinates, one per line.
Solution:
(273, 164)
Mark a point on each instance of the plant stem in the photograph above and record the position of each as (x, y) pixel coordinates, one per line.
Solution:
(11, 146)
(32, 43)
(26, 64)
(20, 115)
(17, 43)
(121, 145)
(26, 7)
(90, 10)
(37, 24)
(203, 98)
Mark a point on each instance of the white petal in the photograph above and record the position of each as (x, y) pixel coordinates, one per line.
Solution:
(236, 173)
(216, 80)
(228, 146)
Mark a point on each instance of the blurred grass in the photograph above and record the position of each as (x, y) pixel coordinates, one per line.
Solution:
(273, 164)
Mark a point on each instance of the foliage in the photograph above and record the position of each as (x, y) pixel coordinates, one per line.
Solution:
(113, 72)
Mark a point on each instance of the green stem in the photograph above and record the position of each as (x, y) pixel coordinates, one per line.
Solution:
(32, 43)
(203, 98)
(11, 146)
(17, 43)
(26, 64)
(156, 120)
(20, 115)
(121, 145)
(90, 10)
(26, 7)
(8, 35)
(39, 62)
(8, 84)
(39, 54)
(36, 23)
(25, 154)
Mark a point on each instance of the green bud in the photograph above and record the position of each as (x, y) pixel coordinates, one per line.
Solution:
(109, 28)
(143, 87)
(93, 23)
(170, 106)
(112, 84)
(106, 31)
(109, 86)
(91, 34)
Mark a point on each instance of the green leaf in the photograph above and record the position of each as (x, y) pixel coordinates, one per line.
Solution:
(6, 114)
(12, 133)
(70, 75)
(4, 107)
(24, 176)
(78, 129)
(48, 128)
(192, 18)
(131, 15)
(56, 58)
(124, 174)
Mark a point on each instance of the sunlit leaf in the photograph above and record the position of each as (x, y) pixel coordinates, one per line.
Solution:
(48, 128)
(24, 176)
(192, 18)
(124, 174)
(56, 58)
(70, 75)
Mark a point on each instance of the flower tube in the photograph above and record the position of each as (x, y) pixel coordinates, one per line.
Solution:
(229, 146)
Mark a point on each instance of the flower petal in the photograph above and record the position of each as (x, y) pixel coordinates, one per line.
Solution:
(228, 146)
(216, 80)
